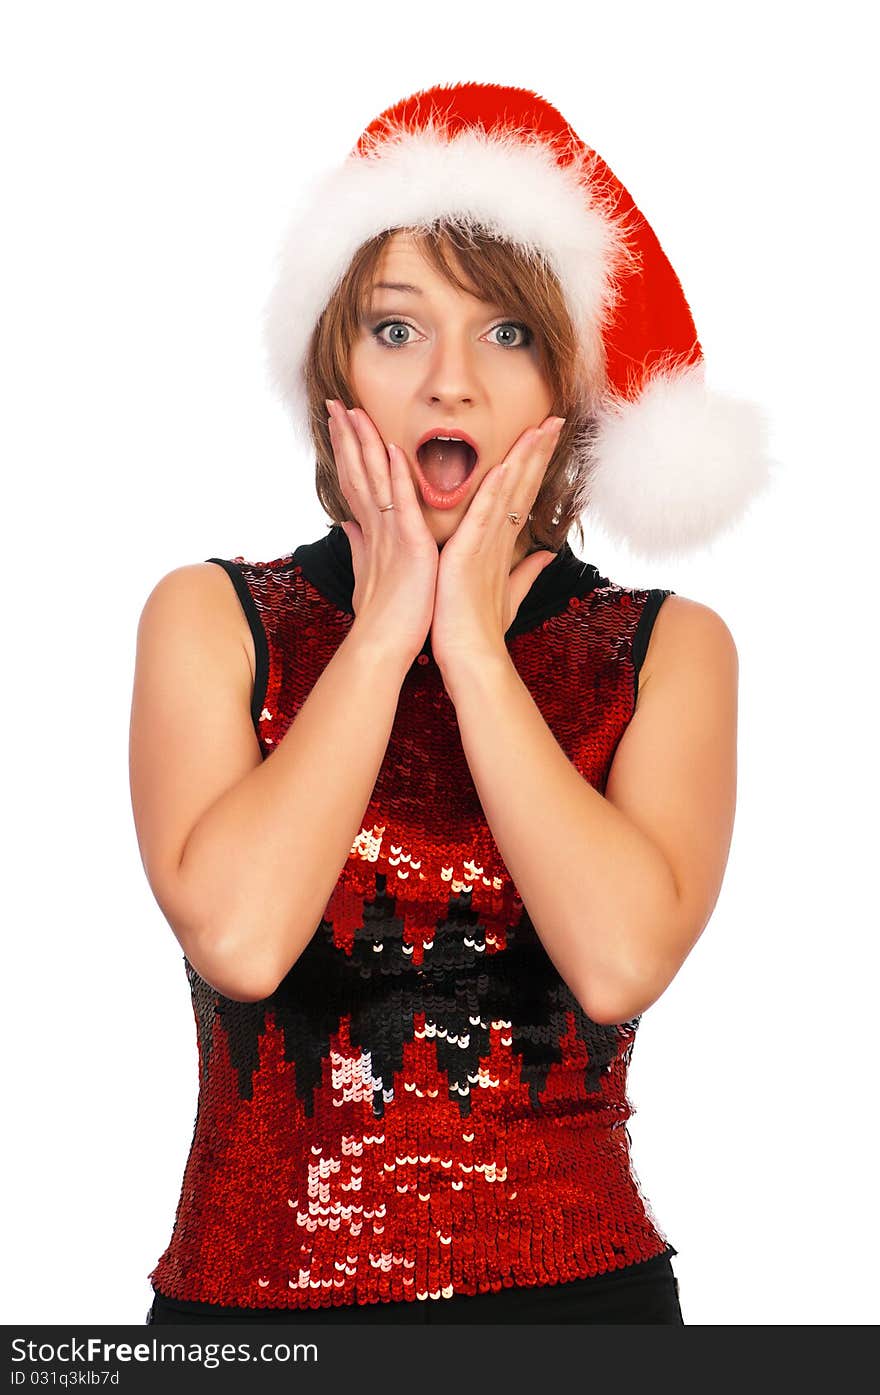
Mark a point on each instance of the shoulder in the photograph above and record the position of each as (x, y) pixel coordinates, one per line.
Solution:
(198, 598)
(687, 634)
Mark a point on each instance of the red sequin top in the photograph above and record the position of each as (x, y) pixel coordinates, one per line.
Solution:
(422, 1108)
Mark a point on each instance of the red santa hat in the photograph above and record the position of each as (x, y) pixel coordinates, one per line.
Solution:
(671, 463)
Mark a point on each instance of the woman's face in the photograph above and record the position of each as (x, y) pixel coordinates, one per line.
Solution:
(431, 358)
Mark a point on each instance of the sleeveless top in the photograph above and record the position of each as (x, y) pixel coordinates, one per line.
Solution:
(422, 1108)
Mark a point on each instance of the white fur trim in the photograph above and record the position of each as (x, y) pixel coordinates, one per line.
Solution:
(671, 470)
(509, 183)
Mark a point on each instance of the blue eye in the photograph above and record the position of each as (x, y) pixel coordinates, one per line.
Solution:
(386, 324)
(377, 331)
(513, 324)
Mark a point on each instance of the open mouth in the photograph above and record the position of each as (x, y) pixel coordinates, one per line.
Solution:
(446, 464)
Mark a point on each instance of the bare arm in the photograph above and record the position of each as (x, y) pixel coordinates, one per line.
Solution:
(243, 854)
(618, 886)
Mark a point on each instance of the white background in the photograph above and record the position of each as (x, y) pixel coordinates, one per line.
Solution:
(151, 155)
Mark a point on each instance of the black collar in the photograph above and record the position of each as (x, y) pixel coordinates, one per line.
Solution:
(328, 566)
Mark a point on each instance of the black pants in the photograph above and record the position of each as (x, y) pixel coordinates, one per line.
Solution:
(641, 1293)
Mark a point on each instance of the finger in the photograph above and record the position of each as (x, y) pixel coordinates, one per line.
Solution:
(519, 477)
(406, 501)
(532, 453)
(341, 473)
(347, 446)
(544, 447)
(373, 455)
(387, 482)
(551, 431)
(355, 488)
(389, 471)
(345, 482)
(536, 444)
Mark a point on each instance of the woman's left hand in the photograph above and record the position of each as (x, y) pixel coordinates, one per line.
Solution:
(477, 596)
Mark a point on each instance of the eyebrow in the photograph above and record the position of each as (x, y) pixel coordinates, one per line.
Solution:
(396, 286)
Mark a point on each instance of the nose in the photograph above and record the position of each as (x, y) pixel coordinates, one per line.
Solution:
(452, 371)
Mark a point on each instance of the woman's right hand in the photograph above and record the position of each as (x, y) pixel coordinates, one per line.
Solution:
(394, 556)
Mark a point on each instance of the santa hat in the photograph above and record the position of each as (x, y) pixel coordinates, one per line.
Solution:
(670, 463)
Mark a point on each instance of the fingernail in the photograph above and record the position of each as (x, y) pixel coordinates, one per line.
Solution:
(556, 423)
(330, 401)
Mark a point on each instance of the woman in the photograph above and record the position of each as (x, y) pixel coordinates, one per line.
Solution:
(501, 790)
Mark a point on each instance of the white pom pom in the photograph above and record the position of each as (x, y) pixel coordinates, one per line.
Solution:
(677, 466)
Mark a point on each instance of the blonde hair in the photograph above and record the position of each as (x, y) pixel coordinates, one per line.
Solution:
(504, 274)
